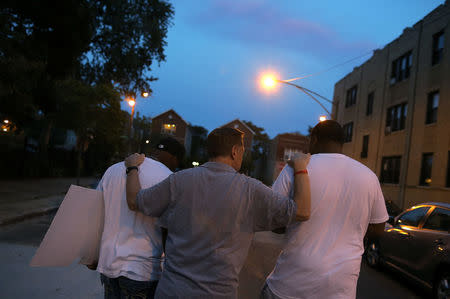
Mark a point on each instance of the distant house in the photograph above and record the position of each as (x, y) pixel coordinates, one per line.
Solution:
(170, 123)
(283, 148)
(249, 133)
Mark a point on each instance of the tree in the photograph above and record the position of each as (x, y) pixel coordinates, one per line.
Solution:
(57, 56)
(142, 126)
(260, 150)
(198, 144)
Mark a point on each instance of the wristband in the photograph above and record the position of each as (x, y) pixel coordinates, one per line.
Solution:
(301, 171)
(131, 168)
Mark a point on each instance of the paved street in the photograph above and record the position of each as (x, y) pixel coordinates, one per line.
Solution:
(18, 243)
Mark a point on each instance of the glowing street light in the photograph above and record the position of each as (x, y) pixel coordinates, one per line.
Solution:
(6, 121)
(145, 94)
(322, 118)
(131, 103)
(147, 141)
(195, 164)
(268, 83)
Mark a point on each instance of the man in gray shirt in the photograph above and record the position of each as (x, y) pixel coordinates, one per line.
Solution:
(211, 213)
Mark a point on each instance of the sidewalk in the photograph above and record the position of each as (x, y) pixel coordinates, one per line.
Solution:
(22, 199)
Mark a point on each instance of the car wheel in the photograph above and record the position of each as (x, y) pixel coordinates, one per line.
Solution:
(373, 255)
(442, 286)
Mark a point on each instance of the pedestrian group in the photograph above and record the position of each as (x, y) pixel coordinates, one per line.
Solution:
(186, 234)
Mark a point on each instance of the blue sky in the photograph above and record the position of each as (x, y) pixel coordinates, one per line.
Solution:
(217, 50)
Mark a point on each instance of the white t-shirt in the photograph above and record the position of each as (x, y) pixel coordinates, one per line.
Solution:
(131, 243)
(322, 257)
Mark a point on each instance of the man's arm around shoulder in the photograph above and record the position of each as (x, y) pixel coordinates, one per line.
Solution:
(133, 185)
(302, 188)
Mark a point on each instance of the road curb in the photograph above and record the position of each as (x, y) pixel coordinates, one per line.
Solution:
(32, 214)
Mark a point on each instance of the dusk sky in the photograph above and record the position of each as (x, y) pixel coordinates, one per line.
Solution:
(217, 50)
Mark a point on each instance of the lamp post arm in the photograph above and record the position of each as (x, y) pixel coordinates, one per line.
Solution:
(315, 93)
(308, 92)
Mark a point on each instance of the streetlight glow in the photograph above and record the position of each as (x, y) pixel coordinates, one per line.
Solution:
(322, 118)
(269, 81)
(6, 121)
(145, 94)
(147, 141)
(131, 102)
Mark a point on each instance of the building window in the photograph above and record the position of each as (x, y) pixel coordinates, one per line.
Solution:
(401, 68)
(289, 153)
(351, 96)
(365, 146)
(390, 170)
(425, 172)
(369, 107)
(169, 129)
(438, 47)
(348, 132)
(396, 117)
(432, 107)
(448, 171)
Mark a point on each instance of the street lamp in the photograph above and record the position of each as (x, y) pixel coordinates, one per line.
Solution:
(269, 81)
(131, 102)
(322, 118)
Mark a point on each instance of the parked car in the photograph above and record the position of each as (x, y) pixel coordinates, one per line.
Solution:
(417, 243)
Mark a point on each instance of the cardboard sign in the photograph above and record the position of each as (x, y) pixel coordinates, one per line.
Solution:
(75, 232)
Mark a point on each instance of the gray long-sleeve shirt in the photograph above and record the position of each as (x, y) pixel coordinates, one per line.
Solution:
(211, 213)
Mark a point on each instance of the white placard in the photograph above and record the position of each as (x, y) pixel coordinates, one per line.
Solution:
(75, 232)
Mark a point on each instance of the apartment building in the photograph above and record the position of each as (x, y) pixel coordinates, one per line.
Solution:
(395, 110)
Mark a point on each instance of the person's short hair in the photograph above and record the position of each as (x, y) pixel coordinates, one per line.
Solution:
(221, 141)
(172, 146)
(328, 131)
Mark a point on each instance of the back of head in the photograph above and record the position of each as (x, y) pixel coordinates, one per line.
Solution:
(170, 152)
(172, 146)
(326, 134)
(221, 141)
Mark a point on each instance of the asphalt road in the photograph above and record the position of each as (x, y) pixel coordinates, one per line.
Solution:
(19, 241)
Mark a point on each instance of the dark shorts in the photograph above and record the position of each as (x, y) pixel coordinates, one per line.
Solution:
(125, 288)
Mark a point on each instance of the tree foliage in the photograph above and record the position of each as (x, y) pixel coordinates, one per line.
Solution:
(68, 63)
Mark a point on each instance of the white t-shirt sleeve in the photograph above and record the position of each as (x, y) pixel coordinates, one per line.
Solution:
(378, 213)
(100, 185)
(283, 184)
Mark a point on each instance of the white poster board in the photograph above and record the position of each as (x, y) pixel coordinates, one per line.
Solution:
(75, 232)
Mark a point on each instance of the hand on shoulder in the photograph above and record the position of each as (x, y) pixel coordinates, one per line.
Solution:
(300, 161)
(134, 160)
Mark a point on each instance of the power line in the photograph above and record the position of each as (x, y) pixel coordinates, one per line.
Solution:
(328, 69)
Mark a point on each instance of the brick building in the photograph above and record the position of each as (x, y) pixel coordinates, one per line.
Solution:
(395, 109)
(283, 148)
(170, 123)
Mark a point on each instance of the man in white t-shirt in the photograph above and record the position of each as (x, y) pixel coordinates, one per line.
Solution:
(322, 256)
(131, 250)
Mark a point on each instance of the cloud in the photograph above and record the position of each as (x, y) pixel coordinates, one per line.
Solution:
(261, 24)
